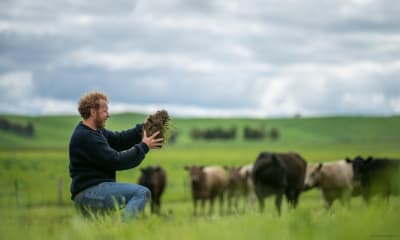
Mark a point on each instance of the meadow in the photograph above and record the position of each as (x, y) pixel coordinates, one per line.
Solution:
(35, 201)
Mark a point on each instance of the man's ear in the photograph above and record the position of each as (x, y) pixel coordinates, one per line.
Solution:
(93, 112)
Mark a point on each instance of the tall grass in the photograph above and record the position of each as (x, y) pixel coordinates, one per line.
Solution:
(35, 200)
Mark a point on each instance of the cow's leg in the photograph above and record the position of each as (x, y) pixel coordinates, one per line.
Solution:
(236, 202)
(194, 207)
(229, 202)
(260, 196)
(261, 203)
(157, 205)
(290, 198)
(366, 196)
(221, 204)
(345, 197)
(211, 210)
(296, 198)
(153, 206)
(278, 202)
(328, 200)
(203, 205)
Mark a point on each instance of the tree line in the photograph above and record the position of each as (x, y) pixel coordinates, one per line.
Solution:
(26, 130)
(249, 133)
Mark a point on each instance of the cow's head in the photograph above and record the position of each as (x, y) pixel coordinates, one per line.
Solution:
(196, 174)
(149, 174)
(359, 166)
(235, 178)
(313, 176)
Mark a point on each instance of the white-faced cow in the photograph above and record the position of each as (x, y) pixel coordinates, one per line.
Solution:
(207, 183)
(377, 176)
(335, 179)
(155, 179)
(278, 174)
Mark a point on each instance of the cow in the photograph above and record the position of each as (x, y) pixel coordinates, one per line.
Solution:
(155, 179)
(235, 188)
(240, 185)
(279, 173)
(377, 176)
(246, 173)
(207, 183)
(335, 179)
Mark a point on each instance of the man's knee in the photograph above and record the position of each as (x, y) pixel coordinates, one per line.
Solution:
(146, 193)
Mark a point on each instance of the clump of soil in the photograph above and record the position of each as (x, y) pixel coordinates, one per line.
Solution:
(158, 121)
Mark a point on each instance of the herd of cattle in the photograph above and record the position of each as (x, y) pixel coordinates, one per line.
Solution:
(281, 174)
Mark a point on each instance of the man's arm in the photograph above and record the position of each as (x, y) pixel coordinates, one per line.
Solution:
(102, 154)
(124, 140)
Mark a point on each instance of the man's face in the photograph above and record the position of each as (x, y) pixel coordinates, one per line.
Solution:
(101, 114)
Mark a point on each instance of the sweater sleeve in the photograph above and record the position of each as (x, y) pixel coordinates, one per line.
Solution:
(103, 155)
(124, 140)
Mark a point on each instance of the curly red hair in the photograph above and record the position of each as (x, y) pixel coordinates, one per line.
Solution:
(89, 101)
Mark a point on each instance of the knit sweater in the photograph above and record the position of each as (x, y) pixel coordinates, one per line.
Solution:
(96, 155)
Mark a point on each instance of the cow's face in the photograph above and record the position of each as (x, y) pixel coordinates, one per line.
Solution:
(359, 165)
(149, 175)
(196, 174)
(313, 176)
(234, 175)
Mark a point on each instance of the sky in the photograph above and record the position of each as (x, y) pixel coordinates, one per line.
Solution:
(208, 58)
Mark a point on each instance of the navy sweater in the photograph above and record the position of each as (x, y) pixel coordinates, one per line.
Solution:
(95, 156)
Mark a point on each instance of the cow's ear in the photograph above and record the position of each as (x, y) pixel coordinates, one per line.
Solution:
(348, 160)
(369, 159)
(186, 168)
(319, 166)
(201, 167)
(142, 170)
(157, 168)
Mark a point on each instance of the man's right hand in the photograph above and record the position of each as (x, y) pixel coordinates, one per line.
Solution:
(152, 142)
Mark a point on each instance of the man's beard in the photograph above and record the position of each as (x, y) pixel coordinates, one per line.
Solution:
(99, 123)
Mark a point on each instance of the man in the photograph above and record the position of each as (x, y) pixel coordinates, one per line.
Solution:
(96, 154)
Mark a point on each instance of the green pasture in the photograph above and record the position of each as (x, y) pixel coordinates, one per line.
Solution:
(34, 187)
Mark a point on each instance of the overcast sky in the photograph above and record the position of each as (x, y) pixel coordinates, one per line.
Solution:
(253, 58)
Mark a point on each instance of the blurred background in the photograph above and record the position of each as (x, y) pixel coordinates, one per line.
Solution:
(251, 58)
(320, 78)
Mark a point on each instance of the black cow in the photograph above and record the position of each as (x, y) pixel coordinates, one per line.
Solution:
(279, 173)
(377, 176)
(155, 179)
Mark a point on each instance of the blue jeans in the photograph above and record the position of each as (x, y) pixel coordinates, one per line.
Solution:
(108, 196)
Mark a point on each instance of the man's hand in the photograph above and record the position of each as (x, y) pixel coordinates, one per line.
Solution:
(152, 142)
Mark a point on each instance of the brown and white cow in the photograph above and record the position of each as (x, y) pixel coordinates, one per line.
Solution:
(334, 179)
(240, 186)
(246, 172)
(207, 183)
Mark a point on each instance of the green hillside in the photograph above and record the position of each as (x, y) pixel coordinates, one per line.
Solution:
(52, 132)
(34, 180)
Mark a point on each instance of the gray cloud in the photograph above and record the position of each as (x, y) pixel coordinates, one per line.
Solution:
(220, 58)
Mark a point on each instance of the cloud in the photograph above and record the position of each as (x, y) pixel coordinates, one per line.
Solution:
(15, 85)
(218, 58)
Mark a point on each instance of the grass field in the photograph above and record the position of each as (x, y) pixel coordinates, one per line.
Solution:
(35, 201)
